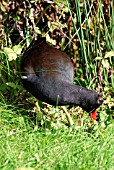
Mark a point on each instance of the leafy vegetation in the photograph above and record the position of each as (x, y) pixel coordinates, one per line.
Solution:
(34, 134)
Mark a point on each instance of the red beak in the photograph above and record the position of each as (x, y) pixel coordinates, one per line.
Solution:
(93, 115)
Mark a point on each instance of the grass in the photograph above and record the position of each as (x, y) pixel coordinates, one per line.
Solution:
(24, 144)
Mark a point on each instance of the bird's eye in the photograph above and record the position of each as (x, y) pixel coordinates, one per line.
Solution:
(91, 107)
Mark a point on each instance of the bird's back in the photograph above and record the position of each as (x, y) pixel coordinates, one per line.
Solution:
(46, 61)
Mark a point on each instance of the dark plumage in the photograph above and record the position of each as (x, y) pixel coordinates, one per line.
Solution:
(47, 73)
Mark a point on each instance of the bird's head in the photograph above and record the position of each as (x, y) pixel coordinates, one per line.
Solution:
(91, 102)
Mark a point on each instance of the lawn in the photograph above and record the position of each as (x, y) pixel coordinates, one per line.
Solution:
(25, 145)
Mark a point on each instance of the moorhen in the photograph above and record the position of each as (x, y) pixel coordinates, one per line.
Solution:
(47, 73)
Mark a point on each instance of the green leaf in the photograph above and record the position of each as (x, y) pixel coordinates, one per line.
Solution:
(106, 64)
(3, 87)
(38, 31)
(3, 8)
(48, 39)
(66, 9)
(98, 58)
(10, 53)
(17, 49)
(13, 85)
(109, 54)
(20, 87)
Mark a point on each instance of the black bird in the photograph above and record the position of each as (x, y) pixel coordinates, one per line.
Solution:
(47, 73)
